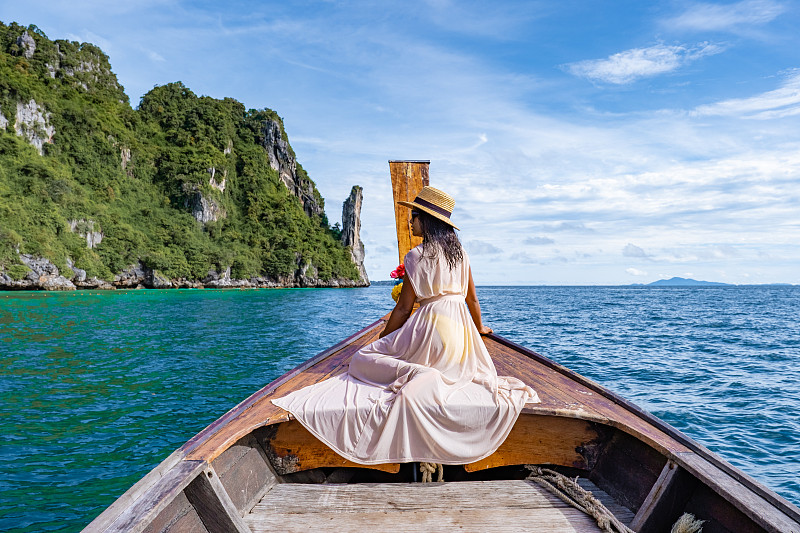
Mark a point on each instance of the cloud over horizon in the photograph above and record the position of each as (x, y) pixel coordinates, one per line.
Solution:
(726, 17)
(777, 103)
(631, 65)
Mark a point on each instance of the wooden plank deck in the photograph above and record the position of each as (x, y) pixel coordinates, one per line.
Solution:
(491, 506)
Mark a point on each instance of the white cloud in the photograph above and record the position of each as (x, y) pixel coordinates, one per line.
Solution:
(482, 248)
(778, 103)
(538, 241)
(631, 250)
(523, 257)
(631, 65)
(721, 17)
(573, 227)
(635, 272)
(155, 56)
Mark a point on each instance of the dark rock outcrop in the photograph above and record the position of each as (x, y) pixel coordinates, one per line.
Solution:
(42, 274)
(131, 277)
(351, 230)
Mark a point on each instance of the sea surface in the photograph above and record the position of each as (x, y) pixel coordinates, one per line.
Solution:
(98, 387)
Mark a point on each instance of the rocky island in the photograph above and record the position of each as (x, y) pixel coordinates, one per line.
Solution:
(183, 191)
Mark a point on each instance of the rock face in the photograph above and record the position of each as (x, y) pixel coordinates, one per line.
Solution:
(351, 230)
(281, 158)
(204, 208)
(42, 275)
(27, 44)
(86, 229)
(33, 123)
(125, 159)
(212, 180)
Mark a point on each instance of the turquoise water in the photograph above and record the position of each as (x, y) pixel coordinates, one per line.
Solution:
(97, 388)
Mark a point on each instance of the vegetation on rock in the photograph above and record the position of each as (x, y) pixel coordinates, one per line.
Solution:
(183, 184)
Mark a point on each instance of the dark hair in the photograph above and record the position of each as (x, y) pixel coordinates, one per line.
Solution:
(438, 235)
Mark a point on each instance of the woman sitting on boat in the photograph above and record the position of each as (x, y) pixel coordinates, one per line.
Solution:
(427, 390)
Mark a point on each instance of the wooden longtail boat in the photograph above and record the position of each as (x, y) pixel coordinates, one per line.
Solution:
(256, 469)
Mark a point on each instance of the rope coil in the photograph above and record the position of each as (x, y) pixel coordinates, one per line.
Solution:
(428, 470)
(570, 492)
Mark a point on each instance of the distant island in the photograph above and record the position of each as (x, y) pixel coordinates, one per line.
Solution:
(684, 282)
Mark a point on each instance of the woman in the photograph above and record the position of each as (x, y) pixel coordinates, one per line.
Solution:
(427, 390)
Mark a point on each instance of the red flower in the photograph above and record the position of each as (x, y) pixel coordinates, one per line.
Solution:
(398, 272)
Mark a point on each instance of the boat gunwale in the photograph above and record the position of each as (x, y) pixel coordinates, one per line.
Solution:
(749, 482)
(147, 497)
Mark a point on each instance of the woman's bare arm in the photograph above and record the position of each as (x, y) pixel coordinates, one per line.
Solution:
(401, 311)
(475, 307)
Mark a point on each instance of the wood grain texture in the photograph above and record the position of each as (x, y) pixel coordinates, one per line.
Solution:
(408, 178)
(542, 440)
(633, 420)
(211, 501)
(627, 469)
(292, 448)
(657, 491)
(463, 506)
(673, 493)
(623, 514)
(561, 393)
(188, 523)
(121, 504)
(564, 520)
(244, 472)
(178, 516)
(556, 389)
(147, 506)
(746, 501)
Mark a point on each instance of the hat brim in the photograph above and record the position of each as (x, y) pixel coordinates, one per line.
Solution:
(430, 211)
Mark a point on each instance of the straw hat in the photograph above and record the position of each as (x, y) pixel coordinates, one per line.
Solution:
(434, 202)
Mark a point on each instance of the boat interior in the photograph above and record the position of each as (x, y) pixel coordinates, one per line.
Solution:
(256, 469)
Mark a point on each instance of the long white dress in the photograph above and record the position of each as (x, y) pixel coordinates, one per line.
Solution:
(426, 392)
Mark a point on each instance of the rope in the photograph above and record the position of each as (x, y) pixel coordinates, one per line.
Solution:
(428, 469)
(573, 494)
(687, 523)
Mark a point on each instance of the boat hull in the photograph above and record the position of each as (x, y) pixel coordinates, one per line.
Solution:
(647, 467)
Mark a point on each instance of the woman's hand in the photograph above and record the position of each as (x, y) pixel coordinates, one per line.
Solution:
(485, 330)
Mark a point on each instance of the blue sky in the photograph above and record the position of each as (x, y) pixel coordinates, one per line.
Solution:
(584, 142)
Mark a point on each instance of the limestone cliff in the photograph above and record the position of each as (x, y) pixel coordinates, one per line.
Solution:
(351, 230)
(282, 159)
(182, 191)
(205, 208)
(32, 122)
